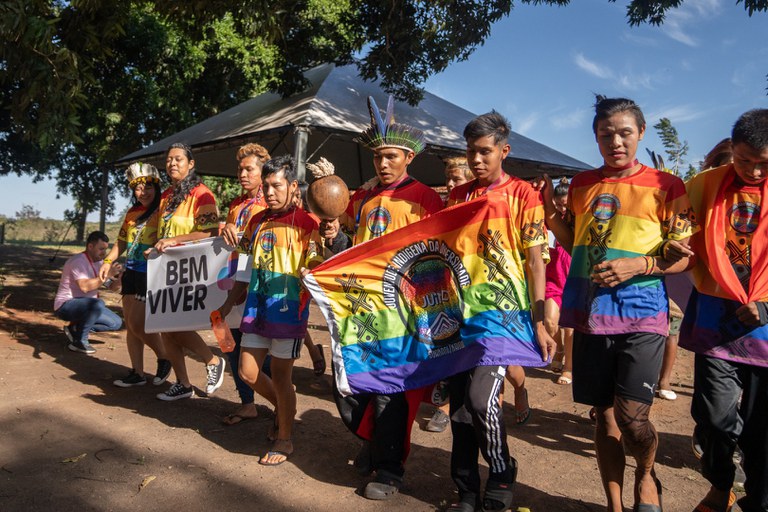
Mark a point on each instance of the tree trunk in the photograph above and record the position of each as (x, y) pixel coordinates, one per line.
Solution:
(82, 215)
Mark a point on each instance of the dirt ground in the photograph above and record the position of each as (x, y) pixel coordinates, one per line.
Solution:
(71, 440)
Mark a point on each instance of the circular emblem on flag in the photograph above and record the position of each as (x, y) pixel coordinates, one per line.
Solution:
(744, 217)
(378, 220)
(605, 206)
(267, 241)
(424, 282)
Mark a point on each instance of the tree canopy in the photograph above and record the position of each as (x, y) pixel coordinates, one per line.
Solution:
(83, 82)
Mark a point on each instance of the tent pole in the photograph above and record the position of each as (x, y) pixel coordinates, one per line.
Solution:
(300, 136)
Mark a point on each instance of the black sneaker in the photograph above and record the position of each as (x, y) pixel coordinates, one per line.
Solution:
(132, 379)
(77, 346)
(215, 376)
(163, 371)
(176, 392)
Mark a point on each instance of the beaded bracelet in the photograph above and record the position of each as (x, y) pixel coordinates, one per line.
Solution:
(650, 263)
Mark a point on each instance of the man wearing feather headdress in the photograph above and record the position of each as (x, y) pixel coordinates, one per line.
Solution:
(391, 201)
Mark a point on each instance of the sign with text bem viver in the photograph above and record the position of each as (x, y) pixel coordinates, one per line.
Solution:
(189, 281)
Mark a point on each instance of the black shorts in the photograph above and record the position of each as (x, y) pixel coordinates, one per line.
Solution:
(134, 283)
(626, 365)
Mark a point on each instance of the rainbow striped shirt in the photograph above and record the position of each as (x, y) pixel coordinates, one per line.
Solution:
(281, 244)
(621, 218)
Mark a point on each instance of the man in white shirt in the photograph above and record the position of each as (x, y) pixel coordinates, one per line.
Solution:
(77, 299)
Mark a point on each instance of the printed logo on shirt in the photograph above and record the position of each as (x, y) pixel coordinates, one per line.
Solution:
(744, 217)
(268, 240)
(378, 220)
(605, 206)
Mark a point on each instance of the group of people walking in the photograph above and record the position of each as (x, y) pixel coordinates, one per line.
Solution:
(600, 308)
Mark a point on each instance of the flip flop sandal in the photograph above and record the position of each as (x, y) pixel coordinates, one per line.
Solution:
(319, 365)
(563, 380)
(521, 417)
(270, 453)
(235, 419)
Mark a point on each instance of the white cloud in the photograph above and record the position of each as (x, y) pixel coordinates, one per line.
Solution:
(678, 21)
(568, 120)
(632, 37)
(747, 75)
(523, 125)
(628, 80)
(592, 67)
(676, 114)
(635, 81)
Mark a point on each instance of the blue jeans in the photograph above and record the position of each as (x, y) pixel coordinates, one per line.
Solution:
(88, 314)
(243, 389)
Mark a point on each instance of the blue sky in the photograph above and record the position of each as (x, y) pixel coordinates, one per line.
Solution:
(541, 65)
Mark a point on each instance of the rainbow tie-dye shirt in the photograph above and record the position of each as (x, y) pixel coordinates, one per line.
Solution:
(621, 218)
(281, 244)
(138, 238)
(372, 213)
(197, 212)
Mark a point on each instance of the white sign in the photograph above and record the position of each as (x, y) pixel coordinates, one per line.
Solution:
(189, 281)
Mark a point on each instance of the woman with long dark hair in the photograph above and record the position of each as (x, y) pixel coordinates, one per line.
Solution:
(187, 212)
(137, 234)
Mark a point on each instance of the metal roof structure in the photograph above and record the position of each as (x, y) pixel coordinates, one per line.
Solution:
(323, 121)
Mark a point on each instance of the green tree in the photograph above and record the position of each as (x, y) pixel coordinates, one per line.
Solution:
(675, 150)
(673, 147)
(83, 82)
(27, 212)
(224, 189)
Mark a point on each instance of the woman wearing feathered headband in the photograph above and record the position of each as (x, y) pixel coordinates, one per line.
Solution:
(137, 234)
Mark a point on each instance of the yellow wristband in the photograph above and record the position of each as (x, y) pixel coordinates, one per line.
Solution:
(107, 260)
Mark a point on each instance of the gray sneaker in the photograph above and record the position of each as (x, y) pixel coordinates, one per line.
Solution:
(77, 346)
(215, 376)
(439, 422)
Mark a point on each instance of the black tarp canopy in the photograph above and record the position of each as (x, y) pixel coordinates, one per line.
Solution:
(323, 121)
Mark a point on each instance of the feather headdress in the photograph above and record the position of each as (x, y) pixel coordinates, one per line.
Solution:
(385, 132)
(139, 172)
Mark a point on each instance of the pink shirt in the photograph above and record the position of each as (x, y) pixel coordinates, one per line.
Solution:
(76, 267)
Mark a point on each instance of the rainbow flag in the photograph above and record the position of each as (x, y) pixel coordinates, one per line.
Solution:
(427, 301)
